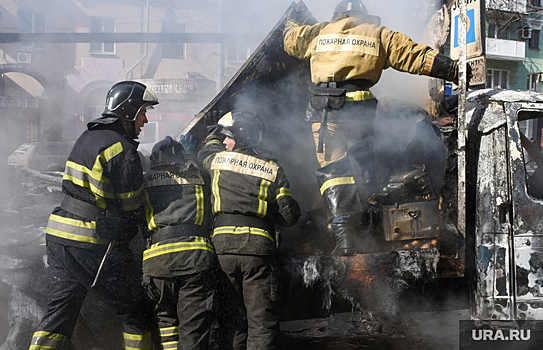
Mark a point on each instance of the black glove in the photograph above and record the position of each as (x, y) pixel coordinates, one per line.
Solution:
(445, 68)
(454, 74)
(469, 74)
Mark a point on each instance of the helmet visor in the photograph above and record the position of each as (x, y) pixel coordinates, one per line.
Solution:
(228, 133)
(150, 97)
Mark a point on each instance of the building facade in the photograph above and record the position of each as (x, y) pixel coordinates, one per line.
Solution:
(513, 44)
(54, 88)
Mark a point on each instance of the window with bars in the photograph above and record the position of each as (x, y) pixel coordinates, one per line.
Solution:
(32, 22)
(497, 79)
(102, 25)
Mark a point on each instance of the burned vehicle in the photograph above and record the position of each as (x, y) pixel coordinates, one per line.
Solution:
(415, 234)
(414, 239)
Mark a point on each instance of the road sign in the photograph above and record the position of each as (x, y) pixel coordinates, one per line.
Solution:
(475, 10)
(478, 69)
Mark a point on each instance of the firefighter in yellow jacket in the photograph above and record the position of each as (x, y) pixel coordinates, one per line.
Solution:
(347, 56)
(88, 234)
(180, 264)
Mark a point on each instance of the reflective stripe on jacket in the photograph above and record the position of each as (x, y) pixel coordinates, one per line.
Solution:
(178, 217)
(104, 170)
(247, 184)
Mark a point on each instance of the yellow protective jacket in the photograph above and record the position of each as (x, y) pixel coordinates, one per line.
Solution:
(350, 49)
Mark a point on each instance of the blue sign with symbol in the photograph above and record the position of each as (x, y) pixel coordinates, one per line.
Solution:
(471, 28)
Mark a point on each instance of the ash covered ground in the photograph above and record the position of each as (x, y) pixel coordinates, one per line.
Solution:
(421, 320)
(423, 330)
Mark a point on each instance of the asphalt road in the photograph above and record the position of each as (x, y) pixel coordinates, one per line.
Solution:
(411, 330)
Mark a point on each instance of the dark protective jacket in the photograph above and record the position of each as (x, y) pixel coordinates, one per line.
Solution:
(178, 217)
(250, 193)
(103, 170)
(350, 49)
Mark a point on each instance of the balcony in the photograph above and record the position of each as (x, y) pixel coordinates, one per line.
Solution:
(505, 49)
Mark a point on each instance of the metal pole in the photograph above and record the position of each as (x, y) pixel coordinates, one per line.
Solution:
(219, 84)
(462, 86)
(129, 71)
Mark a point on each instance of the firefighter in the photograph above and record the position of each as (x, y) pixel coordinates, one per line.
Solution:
(347, 56)
(250, 194)
(88, 233)
(180, 265)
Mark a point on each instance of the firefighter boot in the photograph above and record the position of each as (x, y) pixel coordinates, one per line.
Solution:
(342, 230)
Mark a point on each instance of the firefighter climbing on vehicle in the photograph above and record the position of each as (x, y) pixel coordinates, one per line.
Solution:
(347, 56)
(88, 234)
(250, 194)
(180, 266)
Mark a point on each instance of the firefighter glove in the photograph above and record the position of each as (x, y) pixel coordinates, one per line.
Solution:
(446, 68)
(454, 74)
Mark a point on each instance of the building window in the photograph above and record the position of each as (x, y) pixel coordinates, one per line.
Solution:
(533, 42)
(238, 53)
(173, 50)
(32, 22)
(498, 31)
(102, 25)
(535, 3)
(533, 82)
(497, 79)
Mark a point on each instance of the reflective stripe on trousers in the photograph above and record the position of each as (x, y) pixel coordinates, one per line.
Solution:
(137, 341)
(43, 340)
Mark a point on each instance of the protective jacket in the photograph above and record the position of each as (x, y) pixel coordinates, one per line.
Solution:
(350, 49)
(103, 180)
(250, 193)
(103, 170)
(178, 219)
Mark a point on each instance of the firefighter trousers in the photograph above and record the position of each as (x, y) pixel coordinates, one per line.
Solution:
(185, 308)
(256, 282)
(336, 178)
(71, 273)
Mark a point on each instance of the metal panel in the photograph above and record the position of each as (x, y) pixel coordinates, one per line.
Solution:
(529, 277)
(527, 226)
(493, 299)
(411, 220)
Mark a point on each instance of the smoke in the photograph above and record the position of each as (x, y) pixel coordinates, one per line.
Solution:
(25, 214)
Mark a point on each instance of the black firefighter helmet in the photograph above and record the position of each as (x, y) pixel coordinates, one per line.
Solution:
(125, 100)
(244, 126)
(354, 8)
(169, 152)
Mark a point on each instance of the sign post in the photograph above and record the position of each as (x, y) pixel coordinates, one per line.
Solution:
(462, 37)
(474, 37)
